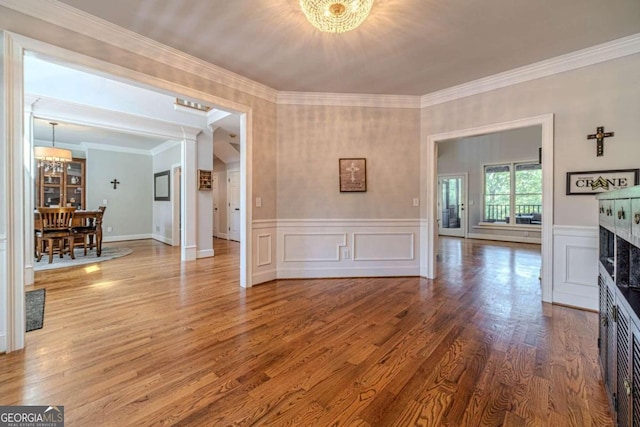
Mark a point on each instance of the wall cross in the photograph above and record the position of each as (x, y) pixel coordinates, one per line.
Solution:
(115, 183)
(599, 136)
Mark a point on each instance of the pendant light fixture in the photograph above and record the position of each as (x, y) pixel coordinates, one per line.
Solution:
(52, 159)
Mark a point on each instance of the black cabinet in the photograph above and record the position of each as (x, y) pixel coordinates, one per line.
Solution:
(619, 305)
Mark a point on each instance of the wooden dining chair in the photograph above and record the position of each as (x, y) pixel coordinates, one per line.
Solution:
(88, 230)
(55, 231)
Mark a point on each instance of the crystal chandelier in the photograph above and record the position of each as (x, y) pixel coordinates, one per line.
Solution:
(336, 16)
(52, 159)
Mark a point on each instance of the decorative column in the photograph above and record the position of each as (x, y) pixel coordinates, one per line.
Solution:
(188, 190)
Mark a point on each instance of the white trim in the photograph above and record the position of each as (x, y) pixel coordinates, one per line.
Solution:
(412, 251)
(325, 272)
(348, 100)
(264, 223)
(505, 226)
(72, 112)
(429, 187)
(204, 253)
(81, 22)
(354, 222)
(126, 237)
(582, 58)
(163, 147)
(302, 234)
(265, 276)
(75, 20)
(501, 238)
(270, 248)
(223, 236)
(215, 115)
(162, 239)
(575, 231)
(111, 148)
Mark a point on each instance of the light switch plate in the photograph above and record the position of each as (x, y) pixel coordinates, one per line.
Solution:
(416, 201)
(258, 202)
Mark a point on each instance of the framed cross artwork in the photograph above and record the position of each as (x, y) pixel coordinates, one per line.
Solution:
(353, 175)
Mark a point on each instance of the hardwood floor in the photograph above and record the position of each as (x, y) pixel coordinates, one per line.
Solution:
(147, 340)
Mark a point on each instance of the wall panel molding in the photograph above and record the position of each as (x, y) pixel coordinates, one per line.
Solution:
(383, 246)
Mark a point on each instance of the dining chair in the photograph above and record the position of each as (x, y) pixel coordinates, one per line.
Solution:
(55, 231)
(88, 230)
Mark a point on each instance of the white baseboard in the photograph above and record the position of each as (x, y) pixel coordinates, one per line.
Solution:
(3, 343)
(515, 239)
(263, 277)
(29, 275)
(586, 301)
(163, 239)
(206, 253)
(106, 239)
(319, 273)
(222, 236)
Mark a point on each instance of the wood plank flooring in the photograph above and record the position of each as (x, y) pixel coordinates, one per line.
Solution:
(146, 340)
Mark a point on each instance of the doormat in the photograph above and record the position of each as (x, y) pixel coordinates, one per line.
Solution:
(35, 309)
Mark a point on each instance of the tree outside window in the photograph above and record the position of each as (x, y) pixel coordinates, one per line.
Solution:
(513, 193)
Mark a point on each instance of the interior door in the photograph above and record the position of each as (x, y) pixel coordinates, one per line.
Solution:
(233, 196)
(452, 213)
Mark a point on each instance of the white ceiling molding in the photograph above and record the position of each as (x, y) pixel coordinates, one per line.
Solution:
(348, 100)
(215, 115)
(71, 112)
(116, 148)
(582, 58)
(65, 16)
(164, 147)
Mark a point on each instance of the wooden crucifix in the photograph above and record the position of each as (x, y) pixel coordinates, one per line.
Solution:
(115, 183)
(599, 136)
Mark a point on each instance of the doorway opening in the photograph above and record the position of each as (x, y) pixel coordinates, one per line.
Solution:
(431, 168)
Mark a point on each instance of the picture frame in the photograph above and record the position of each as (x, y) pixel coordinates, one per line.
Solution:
(205, 180)
(594, 182)
(161, 181)
(353, 175)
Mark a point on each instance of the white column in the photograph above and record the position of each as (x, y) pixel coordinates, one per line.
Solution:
(29, 183)
(12, 204)
(188, 206)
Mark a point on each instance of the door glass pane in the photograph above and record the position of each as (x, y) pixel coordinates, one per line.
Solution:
(450, 202)
(528, 197)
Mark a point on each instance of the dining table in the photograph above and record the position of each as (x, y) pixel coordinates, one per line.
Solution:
(81, 218)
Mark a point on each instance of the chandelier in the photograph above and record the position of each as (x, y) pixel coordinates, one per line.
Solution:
(52, 159)
(336, 16)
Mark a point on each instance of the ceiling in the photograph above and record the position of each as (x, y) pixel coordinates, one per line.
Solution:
(406, 47)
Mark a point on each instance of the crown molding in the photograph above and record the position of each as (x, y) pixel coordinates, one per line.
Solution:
(163, 147)
(73, 19)
(582, 58)
(348, 100)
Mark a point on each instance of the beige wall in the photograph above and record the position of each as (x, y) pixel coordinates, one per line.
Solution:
(606, 94)
(264, 136)
(311, 139)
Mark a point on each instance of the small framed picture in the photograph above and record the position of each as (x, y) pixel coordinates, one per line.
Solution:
(353, 175)
(204, 179)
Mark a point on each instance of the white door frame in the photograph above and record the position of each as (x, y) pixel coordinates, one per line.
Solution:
(229, 207)
(429, 184)
(464, 218)
(14, 215)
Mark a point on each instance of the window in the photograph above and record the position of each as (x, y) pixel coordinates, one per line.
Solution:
(513, 193)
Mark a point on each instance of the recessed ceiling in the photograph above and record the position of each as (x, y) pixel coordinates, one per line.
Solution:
(410, 47)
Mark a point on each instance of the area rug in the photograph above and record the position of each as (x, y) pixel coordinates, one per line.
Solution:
(35, 309)
(108, 253)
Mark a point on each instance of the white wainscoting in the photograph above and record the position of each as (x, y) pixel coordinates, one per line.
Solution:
(575, 266)
(347, 248)
(264, 251)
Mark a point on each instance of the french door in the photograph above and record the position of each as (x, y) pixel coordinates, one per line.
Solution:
(452, 213)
